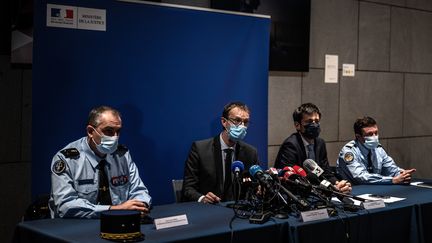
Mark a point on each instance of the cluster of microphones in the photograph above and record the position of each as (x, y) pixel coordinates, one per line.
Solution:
(287, 191)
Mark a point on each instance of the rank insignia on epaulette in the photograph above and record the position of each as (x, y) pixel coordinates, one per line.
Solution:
(350, 145)
(70, 152)
(59, 166)
(121, 149)
(348, 157)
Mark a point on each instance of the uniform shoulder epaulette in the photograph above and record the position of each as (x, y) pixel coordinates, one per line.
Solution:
(121, 149)
(70, 152)
(350, 144)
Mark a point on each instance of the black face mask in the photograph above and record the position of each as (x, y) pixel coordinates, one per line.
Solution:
(312, 130)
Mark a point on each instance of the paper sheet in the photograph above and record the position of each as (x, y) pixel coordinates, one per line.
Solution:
(390, 199)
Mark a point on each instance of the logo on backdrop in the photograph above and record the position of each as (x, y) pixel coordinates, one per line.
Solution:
(61, 16)
(73, 17)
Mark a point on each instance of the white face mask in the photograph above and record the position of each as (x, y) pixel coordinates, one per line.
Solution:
(371, 142)
(108, 144)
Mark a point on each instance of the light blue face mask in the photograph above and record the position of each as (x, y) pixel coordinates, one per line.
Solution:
(371, 142)
(108, 144)
(237, 133)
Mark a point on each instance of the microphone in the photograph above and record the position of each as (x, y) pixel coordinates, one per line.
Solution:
(321, 183)
(267, 181)
(293, 178)
(299, 171)
(312, 167)
(328, 187)
(237, 167)
(313, 177)
(264, 179)
(274, 173)
(288, 168)
(301, 202)
(289, 176)
(283, 171)
(316, 174)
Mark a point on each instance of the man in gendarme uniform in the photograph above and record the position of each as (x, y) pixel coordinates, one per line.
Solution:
(94, 173)
(364, 160)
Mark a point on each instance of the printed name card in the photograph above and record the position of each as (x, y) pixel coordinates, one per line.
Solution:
(172, 221)
(372, 204)
(314, 215)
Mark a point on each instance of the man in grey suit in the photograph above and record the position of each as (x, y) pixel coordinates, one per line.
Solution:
(207, 173)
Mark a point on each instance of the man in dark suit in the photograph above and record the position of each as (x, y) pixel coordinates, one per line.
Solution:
(305, 144)
(207, 173)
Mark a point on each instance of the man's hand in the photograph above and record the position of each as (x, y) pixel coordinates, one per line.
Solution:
(133, 204)
(404, 177)
(210, 198)
(343, 186)
(410, 171)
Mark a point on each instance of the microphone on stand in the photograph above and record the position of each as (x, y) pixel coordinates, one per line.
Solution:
(237, 167)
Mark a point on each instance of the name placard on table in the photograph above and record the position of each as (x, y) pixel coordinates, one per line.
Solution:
(172, 221)
(372, 204)
(314, 215)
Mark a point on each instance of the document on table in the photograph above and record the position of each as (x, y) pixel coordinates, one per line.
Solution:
(421, 184)
(386, 199)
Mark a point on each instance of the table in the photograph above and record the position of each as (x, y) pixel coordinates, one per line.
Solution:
(206, 223)
(404, 221)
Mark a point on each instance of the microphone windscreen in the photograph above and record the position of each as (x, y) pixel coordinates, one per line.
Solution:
(237, 165)
(255, 169)
(299, 170)
(309, 165)
(289, 174)
(288, 168)
(273, 171)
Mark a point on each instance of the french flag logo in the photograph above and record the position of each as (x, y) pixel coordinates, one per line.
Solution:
(59, 13)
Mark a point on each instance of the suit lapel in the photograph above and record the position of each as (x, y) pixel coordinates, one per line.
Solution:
(239, 153)
(217, 155)
(302, 147)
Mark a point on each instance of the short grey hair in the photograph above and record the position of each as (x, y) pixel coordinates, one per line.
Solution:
(95, 113)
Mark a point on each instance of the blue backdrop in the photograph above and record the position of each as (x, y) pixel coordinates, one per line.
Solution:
(168, 70)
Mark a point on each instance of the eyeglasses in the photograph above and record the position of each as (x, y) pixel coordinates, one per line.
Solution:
(310, 121)
(237, 121)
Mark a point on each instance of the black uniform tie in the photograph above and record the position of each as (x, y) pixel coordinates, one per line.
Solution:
(104, 197)
(370, 165)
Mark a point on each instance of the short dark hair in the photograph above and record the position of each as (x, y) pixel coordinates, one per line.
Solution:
(307, 108)
(94, 115)
(363, 122)
(228, 107)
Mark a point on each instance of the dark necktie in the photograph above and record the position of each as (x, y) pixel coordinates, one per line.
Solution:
(311, 152)
(104, 197)
(370, 165)
(228, 180)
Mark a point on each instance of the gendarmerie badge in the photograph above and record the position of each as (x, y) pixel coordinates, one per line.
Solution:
(59, 166)
(119, 180)
(348, 157)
